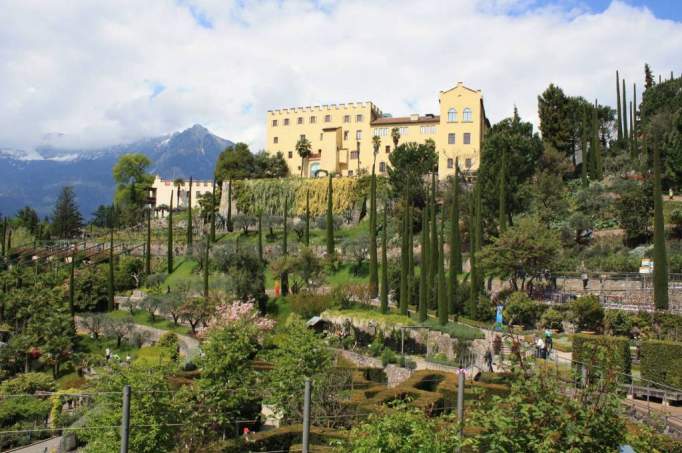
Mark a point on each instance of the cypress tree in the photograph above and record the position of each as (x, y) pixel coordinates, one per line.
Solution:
(307, 218)
(4, 236)
(633, 115)
(72, 288)
(284, 277)
(473, 273)
(9, 240)
(110, 305)
(190, 233)
(442, 296)
(373, 271)
(625, 114)
(410, 254)
(620, 119)
(148, 246)
(660, 255)
(584, 153)
(433, 248)
(632, 133)
(170, 237)
(404, 259)
(502, 194)
(213, 209)
(330, 219)
(260, 235)
(229, 225)
(206, 256)
(424, 271)
(455, 245)
(384, 263)
(595, 149)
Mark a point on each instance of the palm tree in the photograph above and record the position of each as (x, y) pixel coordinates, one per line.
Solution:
(178, 182)
(376, 143)
(303, 150)
(395, 135)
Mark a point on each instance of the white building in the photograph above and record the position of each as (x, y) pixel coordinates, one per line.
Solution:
(162, 189)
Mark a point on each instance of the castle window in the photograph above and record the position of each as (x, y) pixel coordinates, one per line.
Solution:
(467, 163)
(466, 115)
(327, 118)
(299, 120)
(290, 154)
(452, 115)
(345, 135)
(275, 140)
(354, 154)
(403, 130)
(451, 138)
(358, 118)
(381, 131)
(346, 118)
(302, 137)
(451, 163)
(350, 172)
(358, 135)
(388, 149)
(321, 136)
(467, 138)
(382, 167)
(286, 121)
(274, 123)
(428, 129)
(313, 120)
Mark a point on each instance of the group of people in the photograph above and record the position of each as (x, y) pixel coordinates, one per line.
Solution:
(543, 345)
(109, 356)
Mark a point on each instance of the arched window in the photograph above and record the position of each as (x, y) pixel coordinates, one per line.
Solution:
(314, 168)
(452, 115)
(466, 114)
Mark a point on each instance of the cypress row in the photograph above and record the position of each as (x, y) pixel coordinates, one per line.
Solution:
(423, 273)
(502, 194)
(148, 246)
(190, 235)
(284, 277)
(307, 218)
(660, 255)
(455, 246)
(403, 258)
(170, 237)
(330, 219)
(228, 222)
(384, 263)
(373, 271)
(619, 114)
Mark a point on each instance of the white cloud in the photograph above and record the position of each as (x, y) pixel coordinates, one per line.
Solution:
(106, 72)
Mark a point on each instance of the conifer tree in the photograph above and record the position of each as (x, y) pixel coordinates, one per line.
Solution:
(455, 244)
(632, 132)
(502, 193)
(442, 295)
(170, 237)
(424, 271)
(625, 114)
(474, 286)
(284, 277)
(633, 115)
(410, 255)
(4, 237)
(660, 254)
(330, 219)
(228, 221)
(190, 233)
(207, 251)
(384, 263)
(148, 245)
(260, 235)
(213, 211)
(433, 248)
(72, 288)
(584, 153)
(373, 271)
(620, 119)
(595, 149)
(306, 232)
(404, 259)
(110, 286)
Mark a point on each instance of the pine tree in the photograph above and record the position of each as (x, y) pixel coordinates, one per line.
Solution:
(170, 237)
(502, 193)
(620, 119)
(148, 245)
(260, 235)
(404, 259)
(307, 219)
(213, 211)
(66, 219)
(384, 263)
(433, 248)
(424, 271)
(228, 221)
(442, 295)
(648, 77)
(330, 219)
(373, 271)
(190, 232)
(110, 304)
(660, 254)
(455, 244)
(284, 277)
(625, 114)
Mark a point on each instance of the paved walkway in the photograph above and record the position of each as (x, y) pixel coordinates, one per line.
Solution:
(49, 445)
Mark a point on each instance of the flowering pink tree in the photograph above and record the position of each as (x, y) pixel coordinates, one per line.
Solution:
(238, 313)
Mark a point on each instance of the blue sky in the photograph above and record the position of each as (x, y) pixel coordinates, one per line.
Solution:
(662, 9)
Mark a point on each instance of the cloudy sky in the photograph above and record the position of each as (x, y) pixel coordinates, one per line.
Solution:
(90, 73)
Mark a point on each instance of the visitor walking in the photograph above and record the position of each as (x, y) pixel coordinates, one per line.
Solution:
(489, 360)
(540, 350)
(586, 280)
(548, 339)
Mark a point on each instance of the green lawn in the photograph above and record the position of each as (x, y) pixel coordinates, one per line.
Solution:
(183, 270)
(142, 317)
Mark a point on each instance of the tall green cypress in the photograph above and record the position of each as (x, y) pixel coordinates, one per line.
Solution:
(620, 118)
(228, 221)
(433, 266)
(455, 245)
(442, 295)
(660, 254)
(260, 235)
(148, 245)
(284, 277)
(213, 211)
(473, 234)
(330, 219)
(190, 232)
(170, 237)
(625, 114)
(633, 116)
(404, 259)
(410, 255)
(306, 236)
(4, 236)
(206, 257)
(373, 271)
(424, 270)
(502, 194)
(585, 156)
(384, 263)
(110, 283)
(72, 288)
(595, 149)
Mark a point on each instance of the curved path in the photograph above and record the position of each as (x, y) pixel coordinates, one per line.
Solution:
(189, 346)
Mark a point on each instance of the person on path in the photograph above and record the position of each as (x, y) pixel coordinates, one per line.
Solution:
(586, 280)
(539, 348)
(548, 339)
(489, 360)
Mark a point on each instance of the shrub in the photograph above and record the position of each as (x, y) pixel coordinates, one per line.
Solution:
(587, 313)
(661, 361)
(676, 220)
(604, 352)
(28, 383)
(169, 341)
(388, 356)
(308, 305)
(377, 346)
(520, 309)
(617, 322)
(551, 319)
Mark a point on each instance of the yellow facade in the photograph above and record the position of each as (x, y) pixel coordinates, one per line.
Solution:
(341, 134)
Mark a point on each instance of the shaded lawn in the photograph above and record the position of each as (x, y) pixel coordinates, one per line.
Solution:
(142, 317)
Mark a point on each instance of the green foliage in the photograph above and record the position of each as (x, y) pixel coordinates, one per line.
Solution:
(308, 305)
(634, 209)
(551, 319)
(66, 219)
(618, 323)
(520, 309)
(132, 179)
(588, 313)
(409, 163)
(169, 341)
(660, 253)
(587, 351)
(661, 361)
(237, 162)
(28, 383)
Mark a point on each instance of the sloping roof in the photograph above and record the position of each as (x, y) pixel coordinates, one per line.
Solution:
(461, 85)
(406, 120)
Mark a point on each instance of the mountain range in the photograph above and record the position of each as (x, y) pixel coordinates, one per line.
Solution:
(34, 178)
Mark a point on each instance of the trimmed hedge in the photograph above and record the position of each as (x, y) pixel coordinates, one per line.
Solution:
(617, 352)
(661, 361)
